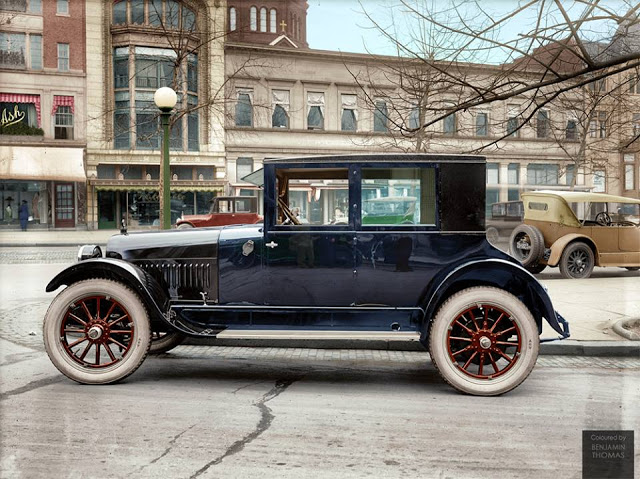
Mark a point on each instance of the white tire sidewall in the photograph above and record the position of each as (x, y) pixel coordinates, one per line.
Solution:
(530, 342)
(60, 357)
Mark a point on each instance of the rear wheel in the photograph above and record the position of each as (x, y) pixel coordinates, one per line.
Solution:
(163, 341)
(96, 332)
(484, 341)
(526, 244)
(185, 226)
(577, 261)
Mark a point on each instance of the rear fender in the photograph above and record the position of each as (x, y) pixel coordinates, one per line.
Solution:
(561, 243)
(491, 272)
(155, 299)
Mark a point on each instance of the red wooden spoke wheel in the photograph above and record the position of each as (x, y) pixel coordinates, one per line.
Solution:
(484, 342)
(97, 331)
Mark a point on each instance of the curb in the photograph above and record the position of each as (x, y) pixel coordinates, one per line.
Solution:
(565, 347)
(619, 328)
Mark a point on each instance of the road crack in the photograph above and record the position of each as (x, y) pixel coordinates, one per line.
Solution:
(266, 418)
(170, 446)
(40, 383)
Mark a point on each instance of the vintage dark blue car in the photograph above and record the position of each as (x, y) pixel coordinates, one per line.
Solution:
(334, 255)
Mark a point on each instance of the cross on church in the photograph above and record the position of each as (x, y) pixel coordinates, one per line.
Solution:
(283, 25)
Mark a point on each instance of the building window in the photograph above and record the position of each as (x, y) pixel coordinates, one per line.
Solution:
(232, 19)
(570, 175)
(244, 167)
(571, 132)
(598, 125)
(513, 174)
(63, 57)
(629, 171)
(244, 108)
(253, 19)
(599, 181)
(280, 115)
(35, 6)
(513, 113)
(20, 114)
(414, 117)
(381, 117)
(36, 51)
(62, 7)
(63, 117)
(263, 20)
(349, 119)
(493, 177)
(482, 124)
(634, 83)
(543, 124)
(120, 12)
(168, 14)
(13, 50)
(542, 174)
(134, 108)
(31, 6)
(635, 124)
(450, 124)
(273, 23)
(315, 110)
(598, 86)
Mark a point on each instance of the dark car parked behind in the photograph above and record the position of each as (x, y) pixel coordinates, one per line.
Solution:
(429, 275)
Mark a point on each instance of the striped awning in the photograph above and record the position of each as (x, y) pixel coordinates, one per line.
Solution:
(20, 98)
(155, 188)
(59, 100)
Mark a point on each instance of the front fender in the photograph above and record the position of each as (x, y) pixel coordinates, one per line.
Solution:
(560, 244)
(498, 273)
(150, 292)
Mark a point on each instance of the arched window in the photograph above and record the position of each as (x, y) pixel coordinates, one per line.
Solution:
(253, 19)
(232, 19)
(263, 19)
(273, 21)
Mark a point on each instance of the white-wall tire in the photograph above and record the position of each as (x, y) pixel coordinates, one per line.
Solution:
(495, 376)
(110, 345)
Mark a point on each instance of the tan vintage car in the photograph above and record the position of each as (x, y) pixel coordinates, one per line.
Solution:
(577, 231)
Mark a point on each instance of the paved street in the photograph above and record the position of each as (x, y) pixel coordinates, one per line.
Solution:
(203, 411)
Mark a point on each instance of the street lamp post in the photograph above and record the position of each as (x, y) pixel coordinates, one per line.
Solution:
(165, 99)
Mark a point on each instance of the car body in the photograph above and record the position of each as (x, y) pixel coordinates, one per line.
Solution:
(225, 210)
(503, 219)
(433, 278)
(577, 231)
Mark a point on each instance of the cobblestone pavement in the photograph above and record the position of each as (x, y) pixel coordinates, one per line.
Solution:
(383, 356)
(37, 255)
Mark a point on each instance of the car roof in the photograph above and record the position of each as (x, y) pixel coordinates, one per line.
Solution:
(581, 196)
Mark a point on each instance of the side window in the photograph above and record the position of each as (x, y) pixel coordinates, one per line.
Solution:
(243, 205)
(398, 196)
(224, 206)
(308, 197)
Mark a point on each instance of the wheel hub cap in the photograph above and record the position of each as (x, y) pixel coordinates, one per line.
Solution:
(95, 333)
(485, 343)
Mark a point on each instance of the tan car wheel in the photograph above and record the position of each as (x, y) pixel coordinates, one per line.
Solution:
(577, 261)
(526, 244)
(97, 332)
(484, 341)
(185, 226)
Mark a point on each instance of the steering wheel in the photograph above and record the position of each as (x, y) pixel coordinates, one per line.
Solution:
(603, 219)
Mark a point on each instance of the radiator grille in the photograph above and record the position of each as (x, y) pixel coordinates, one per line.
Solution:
(179, 275)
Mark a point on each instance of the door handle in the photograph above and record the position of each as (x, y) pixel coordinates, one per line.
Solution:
(271, 245)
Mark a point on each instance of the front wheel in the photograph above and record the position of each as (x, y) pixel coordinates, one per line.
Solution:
(185, 226)
(484, 341)
(577, 261)
(96, 332)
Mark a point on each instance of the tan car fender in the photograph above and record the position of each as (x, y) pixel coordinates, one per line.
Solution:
(561, 243)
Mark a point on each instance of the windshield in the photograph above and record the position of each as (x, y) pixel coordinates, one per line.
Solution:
(620, 213)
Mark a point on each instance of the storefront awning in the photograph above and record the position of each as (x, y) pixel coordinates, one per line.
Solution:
(130, 187)
(42, 163)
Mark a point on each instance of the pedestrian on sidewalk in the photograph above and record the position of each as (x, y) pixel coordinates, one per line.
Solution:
(23, 215)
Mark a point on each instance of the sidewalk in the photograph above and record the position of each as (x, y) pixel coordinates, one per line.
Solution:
(592, 306)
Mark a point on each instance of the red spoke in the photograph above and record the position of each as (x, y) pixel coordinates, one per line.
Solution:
(462, 350)
(475, 353)
(113, 305)
(86, 350)
(97, 354)
(109, 352)
(480, 366)
(86, 310)
(117, 320)
(84, 323)
(486, 318)
(77, 342)
(473, 320)
(505, 331)
(505, 356)
(117, 343)
(496, 323)
(98, 308)
(463, 326)
(493, 363)
(67, 330)
(460, 339)
(507, 343)
(120, 331)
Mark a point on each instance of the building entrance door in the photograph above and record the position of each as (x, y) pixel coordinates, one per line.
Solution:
(64, 206)
(106, 209)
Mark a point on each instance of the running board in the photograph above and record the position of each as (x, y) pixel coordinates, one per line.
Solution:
(320, 335)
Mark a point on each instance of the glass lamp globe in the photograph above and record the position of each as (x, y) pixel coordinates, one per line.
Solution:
(165, 98)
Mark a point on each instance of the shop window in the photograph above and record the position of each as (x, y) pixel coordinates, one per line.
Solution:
(152, 172)
(20, 114)
(280, 115)
(381, 117)
(183, 172)
(244, 108)
(205, 173)
(131, 172)
(63, 57)
(315, 110)
(106, 172)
